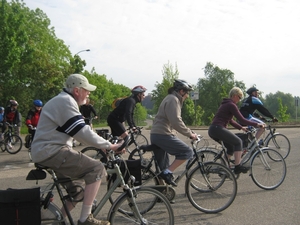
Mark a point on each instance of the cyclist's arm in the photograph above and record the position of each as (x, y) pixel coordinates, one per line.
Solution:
(264, 111)
(129, 109)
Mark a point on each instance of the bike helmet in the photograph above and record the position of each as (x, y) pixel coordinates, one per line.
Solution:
(138, 89)
(13, 102)
(38, 103)
(1, 109)
(250, 90)
(182, 84)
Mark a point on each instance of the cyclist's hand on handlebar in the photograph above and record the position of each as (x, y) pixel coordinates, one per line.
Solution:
(245, 129)
(194, 136)
(115, 148)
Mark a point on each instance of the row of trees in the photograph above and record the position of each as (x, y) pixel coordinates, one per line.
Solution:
(34, 64)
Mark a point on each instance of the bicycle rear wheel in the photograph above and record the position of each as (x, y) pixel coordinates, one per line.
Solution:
(13, 144)
(212, 190)
(268, 169)
(280, 143)
(95, 153)
(152, 205)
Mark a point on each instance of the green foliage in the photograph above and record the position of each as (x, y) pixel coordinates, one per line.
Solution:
(213, 88)
(282, 115)
(140, 114)
(169, 75)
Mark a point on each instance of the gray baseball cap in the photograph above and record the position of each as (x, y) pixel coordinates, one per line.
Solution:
(78, 80)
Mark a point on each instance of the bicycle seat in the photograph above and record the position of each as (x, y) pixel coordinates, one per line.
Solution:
(151, 147)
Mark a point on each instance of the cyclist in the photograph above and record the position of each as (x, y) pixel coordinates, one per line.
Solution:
(59, 122)
(168, 118)
(86, 110)
(1, 123)
(250, 105)
(124, 112)
(12, 116)
(33, 117)
(218, 129)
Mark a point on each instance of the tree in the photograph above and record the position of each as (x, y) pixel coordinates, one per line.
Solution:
(213, 88)
(169, 75)
(282, 115)
(33, 62)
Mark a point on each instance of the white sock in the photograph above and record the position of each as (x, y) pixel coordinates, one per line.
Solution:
(85, 212)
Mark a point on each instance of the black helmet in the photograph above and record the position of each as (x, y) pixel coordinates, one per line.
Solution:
(182, 84)
(250, 90)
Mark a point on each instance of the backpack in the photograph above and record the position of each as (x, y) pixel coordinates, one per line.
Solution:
(117, 102)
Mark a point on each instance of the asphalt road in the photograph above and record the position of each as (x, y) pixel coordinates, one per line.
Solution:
(251, 206)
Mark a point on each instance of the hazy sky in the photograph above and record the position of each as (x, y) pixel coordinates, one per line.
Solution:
(131, 40)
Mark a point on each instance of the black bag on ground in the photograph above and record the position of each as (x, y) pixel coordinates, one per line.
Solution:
(20, 206)
(134, 167)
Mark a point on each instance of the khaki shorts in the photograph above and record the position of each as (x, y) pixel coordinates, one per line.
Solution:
(69, 163)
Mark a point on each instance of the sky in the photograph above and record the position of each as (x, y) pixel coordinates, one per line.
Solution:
(131, 40)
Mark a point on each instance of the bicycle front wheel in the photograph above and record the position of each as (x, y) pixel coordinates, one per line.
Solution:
(268, 169)
(152, 205)
(52, 215)
(13, 144)
(140, 139)
(95, 153)
(211, 188)
(280, 143)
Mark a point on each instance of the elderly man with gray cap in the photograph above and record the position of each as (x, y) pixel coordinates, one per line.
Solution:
(59, 123)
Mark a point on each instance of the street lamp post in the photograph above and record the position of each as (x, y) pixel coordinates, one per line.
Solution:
(85, 50)
(296, 104)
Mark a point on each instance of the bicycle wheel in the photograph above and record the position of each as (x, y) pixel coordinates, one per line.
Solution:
(95, 153)
(148, 179)
(140, 139)
(145, 156)
(213, 190)
(153, 206)
(280, 143)
(207, 155)
(266, 172)
(13, 144)
(52, 215)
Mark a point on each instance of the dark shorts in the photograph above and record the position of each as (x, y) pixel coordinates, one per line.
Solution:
(172, 145)
(117, 127)
(231, 141)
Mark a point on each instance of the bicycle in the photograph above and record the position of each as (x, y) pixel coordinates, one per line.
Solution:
(211, 187)
(11, 143)
(267, 166)
(136, 139)
(136, 205)
(276, 140)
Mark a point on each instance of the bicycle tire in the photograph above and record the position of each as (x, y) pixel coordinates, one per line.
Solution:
(152, 205)
(52, 215)
(266, 172)
(95, 153)
(140, 139)
(15, 144)
(148, 178)
(280, 143)
(145, 156)
(213, 190)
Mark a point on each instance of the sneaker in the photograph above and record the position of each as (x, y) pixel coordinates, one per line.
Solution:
(92, 221)
(168, 178)
(9, 146)
(240, 169)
